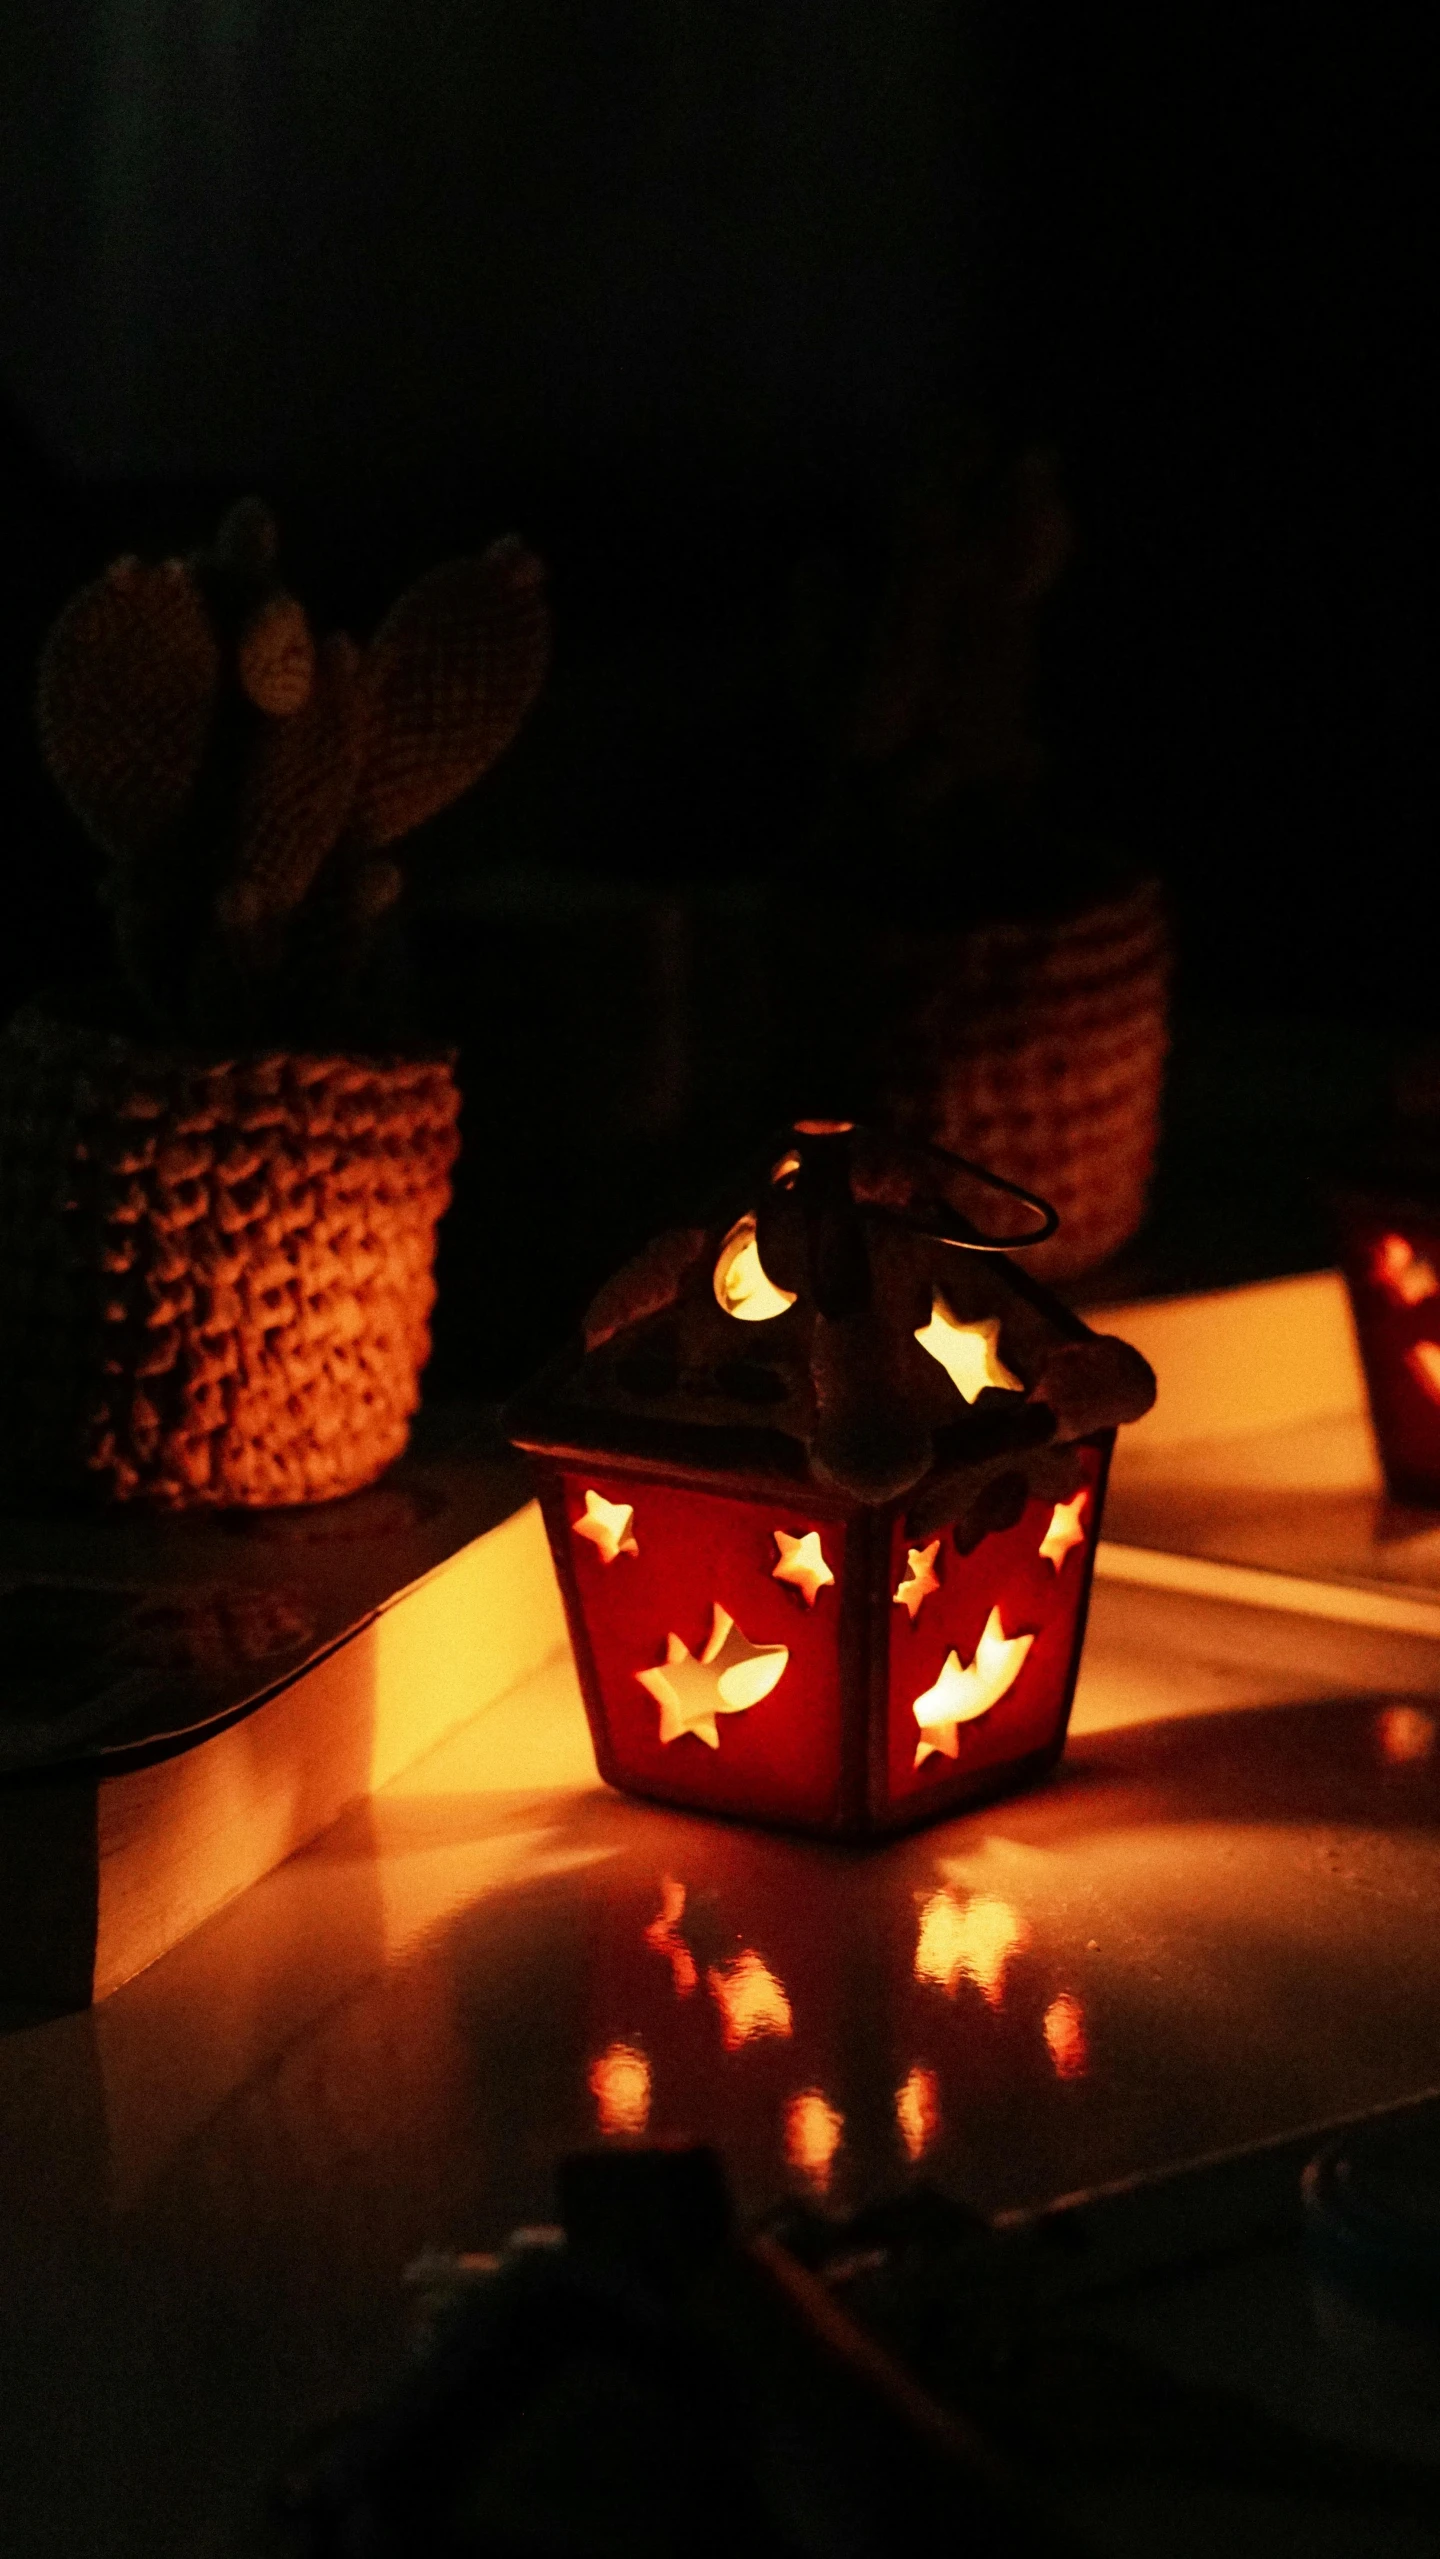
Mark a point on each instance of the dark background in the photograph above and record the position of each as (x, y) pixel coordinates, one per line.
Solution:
(677, 288)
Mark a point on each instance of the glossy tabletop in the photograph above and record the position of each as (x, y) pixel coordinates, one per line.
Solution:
(1215, 1924)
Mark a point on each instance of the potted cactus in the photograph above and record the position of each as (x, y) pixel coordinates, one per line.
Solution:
(1014, 980)
(221, 1173)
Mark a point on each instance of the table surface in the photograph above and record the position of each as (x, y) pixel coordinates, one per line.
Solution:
(1214, 1925)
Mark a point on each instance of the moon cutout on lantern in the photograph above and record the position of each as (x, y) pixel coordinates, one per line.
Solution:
(968, 1353)
(960, 1696)
(731, 1675)
(741, 1285)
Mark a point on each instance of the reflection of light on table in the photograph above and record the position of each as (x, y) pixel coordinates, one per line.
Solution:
(664, 1935)
(813, 2134)
(751, 2001)
(1065, 2036)
(1404, 1733)
(967, 1941)
(917, 2112)
(620, 2086)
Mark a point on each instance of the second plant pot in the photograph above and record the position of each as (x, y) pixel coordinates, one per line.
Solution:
(1037, 1046)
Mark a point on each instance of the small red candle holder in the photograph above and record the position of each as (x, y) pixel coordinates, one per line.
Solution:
(823, 1488)
(1390, 1255)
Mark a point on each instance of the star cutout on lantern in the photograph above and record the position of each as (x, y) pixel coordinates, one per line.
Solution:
(959, 1696)
(968, 1353)
(730, 1675)
(1064, 1530)
(920, 1580)
(802, 1564)
(608, 1527)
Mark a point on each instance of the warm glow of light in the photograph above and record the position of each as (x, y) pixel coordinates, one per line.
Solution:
(959, 1696)
(823, 1128)
(1423, 1359)
(609, 1527)
(967, 1941)
(917, 2112)
(802, 1564)
(730, 1676)
(968, 1353)
(741, 1286)
(783, 1173)
(813, 2134)
(620, 2086)
(912, 1592)
(1405, 1734)
(751, 2001)
(1065, 2036)
(1064, 1531)
(1403, 1273)
(663, 1935)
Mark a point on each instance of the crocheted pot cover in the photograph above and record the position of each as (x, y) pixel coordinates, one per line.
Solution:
(217, 1276)
(1039, 1049)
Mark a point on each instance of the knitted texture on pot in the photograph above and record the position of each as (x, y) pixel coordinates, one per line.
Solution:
(217, 1275)
(1038, 1048)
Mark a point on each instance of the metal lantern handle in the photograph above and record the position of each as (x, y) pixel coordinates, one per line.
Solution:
(957, 1230)
(970, 1242)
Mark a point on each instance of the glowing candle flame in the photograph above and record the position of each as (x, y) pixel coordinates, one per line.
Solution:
(970, 1941)
(1065, 2036)
(620, 2086)
(917, 2112)
(751, 2001)
(813, 2134)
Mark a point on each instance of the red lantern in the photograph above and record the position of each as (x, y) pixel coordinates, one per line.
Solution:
(1390, 1249)
(823, 1488)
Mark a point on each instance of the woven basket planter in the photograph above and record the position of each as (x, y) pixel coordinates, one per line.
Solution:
(1038, 1049)
(217, 1276)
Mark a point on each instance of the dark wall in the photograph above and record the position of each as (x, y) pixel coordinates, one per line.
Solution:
(341, 239)
(674, 285)
(1234, 294)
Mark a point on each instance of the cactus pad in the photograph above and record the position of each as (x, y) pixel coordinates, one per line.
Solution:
(300, 784)
(275, 659)
(128, 683)
(449, 677)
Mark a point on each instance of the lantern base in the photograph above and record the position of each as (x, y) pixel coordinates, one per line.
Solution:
(989, 1786)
